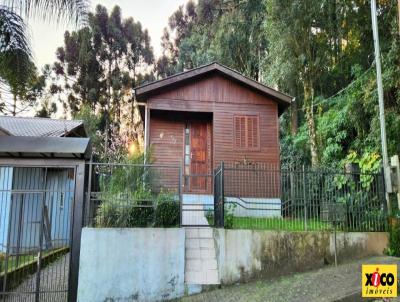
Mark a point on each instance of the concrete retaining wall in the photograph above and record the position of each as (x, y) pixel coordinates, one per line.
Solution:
(147, 264)
(131, 264)
(247, 254)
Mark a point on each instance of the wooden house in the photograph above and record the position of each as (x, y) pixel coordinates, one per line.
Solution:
(201, 117)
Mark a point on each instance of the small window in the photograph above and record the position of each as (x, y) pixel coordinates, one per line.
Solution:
(187, 156)
(246, 132)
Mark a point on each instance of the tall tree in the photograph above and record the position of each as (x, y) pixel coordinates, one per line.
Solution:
(98, 66)
(15, 51)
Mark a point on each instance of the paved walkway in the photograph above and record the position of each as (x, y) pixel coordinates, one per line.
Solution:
(193, 214)
(326, 284)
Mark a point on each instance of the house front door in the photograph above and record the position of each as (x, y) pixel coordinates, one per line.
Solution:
(198, 157)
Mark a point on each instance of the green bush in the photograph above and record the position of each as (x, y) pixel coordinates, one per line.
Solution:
(141, 209)
(107, 214)
(126, 210)
(229, 215)
(210, 216)
(394, 241)
(140, 212)
(141, 215)
(167, 212)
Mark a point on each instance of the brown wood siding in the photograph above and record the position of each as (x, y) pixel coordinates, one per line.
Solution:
(214, 88)
(225, 99)
(166, 140)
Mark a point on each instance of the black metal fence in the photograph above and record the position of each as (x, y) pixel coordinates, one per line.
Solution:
(256, 196)
(219, 196)
(133, 195)
(302, 199)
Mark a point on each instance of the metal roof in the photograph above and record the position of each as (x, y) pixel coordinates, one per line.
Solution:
(147, 89)
(40, 127)
(44, 147)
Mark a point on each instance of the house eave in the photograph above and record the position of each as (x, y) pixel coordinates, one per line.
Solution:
(143, 92)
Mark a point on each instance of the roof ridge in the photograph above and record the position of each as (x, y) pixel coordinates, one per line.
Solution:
(177, 74)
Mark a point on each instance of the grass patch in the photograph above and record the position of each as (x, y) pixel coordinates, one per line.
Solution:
(282, 224)
(27, 265)
(15, 262)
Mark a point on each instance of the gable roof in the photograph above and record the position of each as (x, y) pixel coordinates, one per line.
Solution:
(145, 90)
(41, 127)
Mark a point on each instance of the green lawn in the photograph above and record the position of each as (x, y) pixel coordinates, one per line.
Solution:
(283, 224)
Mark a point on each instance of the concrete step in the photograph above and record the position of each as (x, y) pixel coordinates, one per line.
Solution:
(193, 265)
(192, 254)
(199, 233)
(206, 233)
(209, 277)
(207, 243)
(192, 243)
(207, 254)
(201, 265)
(200, 253)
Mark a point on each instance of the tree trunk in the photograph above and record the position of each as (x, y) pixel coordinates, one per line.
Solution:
(309, 112)
(133, 103)
(14, 111)
(107, 126)
(293, 118)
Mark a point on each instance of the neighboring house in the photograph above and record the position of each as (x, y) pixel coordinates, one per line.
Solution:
(210, 114)
(40, 127)
(22, 189)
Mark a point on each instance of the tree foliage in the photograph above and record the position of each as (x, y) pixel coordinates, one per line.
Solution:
(320, 52)
(97, 68)
(17, 70)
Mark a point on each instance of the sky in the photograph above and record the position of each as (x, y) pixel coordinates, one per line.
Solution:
(153, 14)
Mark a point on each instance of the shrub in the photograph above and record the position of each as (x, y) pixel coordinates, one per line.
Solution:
(394, 241)
(107, 214)
(210, 216)
(167, 212)
(126, 210)
(229, 215)
(141, 211)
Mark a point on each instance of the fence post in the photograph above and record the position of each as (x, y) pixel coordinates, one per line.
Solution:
(180, 193)
(87, 219)
(222, 203)
(304, 198)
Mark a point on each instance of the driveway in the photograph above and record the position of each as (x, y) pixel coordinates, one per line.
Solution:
(327, 284)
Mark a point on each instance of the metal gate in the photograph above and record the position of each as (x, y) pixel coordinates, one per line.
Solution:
(40, 225)
(219, 197)
(206, 210)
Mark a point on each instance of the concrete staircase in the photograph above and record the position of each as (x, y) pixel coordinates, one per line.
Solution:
(201, 266)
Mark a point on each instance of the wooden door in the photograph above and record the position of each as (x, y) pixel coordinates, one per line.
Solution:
(198, 154)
